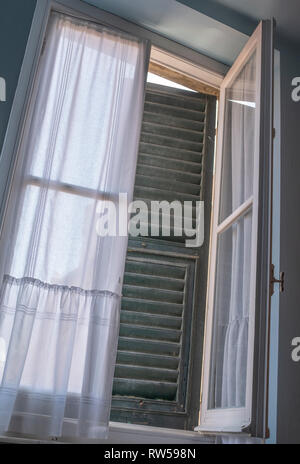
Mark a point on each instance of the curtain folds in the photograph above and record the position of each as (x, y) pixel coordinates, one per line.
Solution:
(61, 290)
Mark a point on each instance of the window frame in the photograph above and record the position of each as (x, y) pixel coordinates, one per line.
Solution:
(15, 129)
(253, 417)
(72, 189)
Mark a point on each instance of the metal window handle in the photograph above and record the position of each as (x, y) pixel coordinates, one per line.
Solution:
(273, 280)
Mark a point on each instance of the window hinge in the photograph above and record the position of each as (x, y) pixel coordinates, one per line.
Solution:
(274, 133)
(273, 281)
(43, 46)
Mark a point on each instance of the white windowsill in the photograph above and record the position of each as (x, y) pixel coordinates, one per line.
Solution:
(121, 433)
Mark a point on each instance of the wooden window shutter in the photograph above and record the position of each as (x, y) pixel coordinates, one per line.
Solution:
(157, 375)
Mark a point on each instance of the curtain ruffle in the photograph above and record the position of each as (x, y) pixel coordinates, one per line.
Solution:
(58, 355)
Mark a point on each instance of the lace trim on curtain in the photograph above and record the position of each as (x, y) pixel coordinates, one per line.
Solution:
(63, 288)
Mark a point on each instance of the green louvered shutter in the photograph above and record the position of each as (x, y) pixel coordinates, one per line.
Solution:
(172, 144)
(155, 360)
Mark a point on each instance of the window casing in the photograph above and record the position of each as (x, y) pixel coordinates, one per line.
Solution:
(9, 149)
(246, 227)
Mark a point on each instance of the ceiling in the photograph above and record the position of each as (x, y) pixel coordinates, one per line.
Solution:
(216, 28)
(182, 24)
(286, 12)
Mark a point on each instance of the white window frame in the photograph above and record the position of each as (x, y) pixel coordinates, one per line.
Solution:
(233, 419)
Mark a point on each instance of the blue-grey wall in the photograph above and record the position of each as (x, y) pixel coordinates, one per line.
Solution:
(288, 408)
(15, 21)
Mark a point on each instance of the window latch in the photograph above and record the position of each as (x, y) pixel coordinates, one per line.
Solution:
(273, 280)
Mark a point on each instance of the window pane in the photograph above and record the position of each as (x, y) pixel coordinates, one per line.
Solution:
(239, 140)
(231, 315)
(63, 232)
(83, 98)
(65, 242)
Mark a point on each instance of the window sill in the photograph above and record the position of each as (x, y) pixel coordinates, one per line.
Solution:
(121, 433)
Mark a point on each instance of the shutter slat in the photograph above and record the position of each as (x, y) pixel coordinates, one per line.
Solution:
(145, 373)
(149, 346)
(191, 208)
(134, 291)
(180, 113)
(143, 389)
(172, 121)
(139, 318)
(154, 171)
(164, 283)
(153, 307)
(177, 101)
(148, 360)
(171, 153)
(151, 333)
(164, 140)
(176, 133)
(180, 93)
(173, 185)
(161, 194)
(165, 164)
(139, 265)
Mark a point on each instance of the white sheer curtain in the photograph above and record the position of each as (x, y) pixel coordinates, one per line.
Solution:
(232, 296)
(60, 297)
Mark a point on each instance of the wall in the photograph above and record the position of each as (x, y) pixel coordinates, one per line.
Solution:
(15, 21)
(288, 428)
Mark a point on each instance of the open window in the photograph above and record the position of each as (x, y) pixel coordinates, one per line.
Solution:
(238, 294)
(190, 316)
(162, 389)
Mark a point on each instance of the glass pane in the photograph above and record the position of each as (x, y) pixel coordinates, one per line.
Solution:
(231, 315)
(239, 139)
